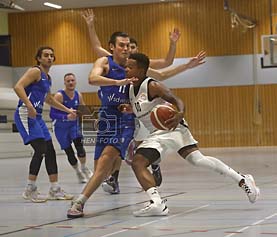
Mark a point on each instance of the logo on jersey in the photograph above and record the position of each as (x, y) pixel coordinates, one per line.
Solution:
(142, 96)
(113, 98)
(37, 104)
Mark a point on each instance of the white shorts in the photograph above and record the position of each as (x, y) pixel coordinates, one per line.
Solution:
(141, 132)
(164, 141)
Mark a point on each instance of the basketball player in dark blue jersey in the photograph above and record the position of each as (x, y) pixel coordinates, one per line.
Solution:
(109, 74)
(67, 131)
(128, 124)
(33, 89)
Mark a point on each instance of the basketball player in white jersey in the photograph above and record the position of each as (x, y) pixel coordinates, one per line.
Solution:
(145, 94)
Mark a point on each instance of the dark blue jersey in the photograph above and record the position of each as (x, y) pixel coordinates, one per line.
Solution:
(60, 116)
(114, 95)
(37, 92)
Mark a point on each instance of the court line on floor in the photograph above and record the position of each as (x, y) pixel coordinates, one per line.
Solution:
(86, 216)
(251, 225)
(160, 219)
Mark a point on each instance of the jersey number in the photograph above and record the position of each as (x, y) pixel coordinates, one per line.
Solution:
(122, 89)
(138, 108)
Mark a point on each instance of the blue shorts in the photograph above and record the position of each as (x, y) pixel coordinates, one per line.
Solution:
(30, 129)
(66, 134)
(120, 141)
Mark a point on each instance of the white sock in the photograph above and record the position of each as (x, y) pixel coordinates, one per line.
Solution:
(82, 198)
(31, 184)
(154, 195)
(54, 185)
(76, 168)
(83, 166)
(198, 159)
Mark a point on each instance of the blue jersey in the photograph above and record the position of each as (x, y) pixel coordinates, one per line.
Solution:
(37, 92)
(66, 130)
(111, 121)
(114, 95)
(33, 128)
(60, 117)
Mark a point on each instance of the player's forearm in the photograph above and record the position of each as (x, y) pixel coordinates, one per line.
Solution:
(19, 90)
(57, 114)
(94, 40)
(57, 105)
(167, 73)
(170, 55)
(167, 61)
(96, 80)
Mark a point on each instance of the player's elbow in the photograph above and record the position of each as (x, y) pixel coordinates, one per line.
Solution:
(17, 88)
(168, 62)
(91, 80)
(161, 76)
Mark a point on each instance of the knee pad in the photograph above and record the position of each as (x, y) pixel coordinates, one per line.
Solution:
(81, 152)
(50, 158)
(71, 156)
(196, 158)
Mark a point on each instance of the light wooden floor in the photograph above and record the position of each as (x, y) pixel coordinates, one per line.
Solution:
(201, 203)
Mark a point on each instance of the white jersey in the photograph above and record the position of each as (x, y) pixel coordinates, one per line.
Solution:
(161, 140)
(141, 104)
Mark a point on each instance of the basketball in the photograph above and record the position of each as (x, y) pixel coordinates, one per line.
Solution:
(160, 114)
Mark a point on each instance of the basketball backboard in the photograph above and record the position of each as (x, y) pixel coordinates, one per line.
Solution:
(269, 51)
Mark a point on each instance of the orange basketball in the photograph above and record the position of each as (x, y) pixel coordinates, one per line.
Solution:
(160, 114)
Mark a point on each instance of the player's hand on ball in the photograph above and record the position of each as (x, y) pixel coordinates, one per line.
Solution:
(173, 122)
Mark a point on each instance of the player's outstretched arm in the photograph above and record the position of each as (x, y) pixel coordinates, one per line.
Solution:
(168, 60)
(100, 68)
(161, 75)
(89, 17)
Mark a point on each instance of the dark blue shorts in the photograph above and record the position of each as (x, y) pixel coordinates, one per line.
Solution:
(66, 134)
(119, 140)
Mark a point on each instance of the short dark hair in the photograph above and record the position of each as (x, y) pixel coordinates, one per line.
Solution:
(69, 74)
(117, 34)
(39, 53)
(141, 59)
(133, 41)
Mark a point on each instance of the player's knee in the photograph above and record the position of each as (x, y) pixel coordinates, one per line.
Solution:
(195, 158)
(81, 152)
(39, 146)
(145, 157)
(71, 156)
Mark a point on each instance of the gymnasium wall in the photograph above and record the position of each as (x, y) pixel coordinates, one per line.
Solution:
(230, 100)
(4, 23)
(203, 23)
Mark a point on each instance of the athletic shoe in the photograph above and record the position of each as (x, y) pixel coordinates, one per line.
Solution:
(87, 172)
(111, 186)
(153, 209)
(59, 194)
(32, 194)
(249, 186)
(156, 172)
(81, 177)
(76, 210)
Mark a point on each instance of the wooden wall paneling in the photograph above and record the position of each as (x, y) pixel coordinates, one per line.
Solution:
(203, 23)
